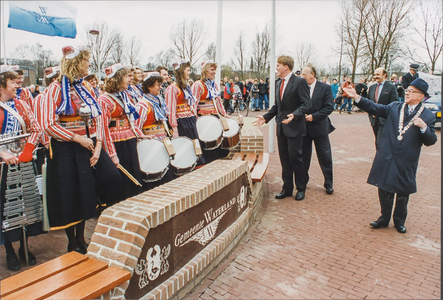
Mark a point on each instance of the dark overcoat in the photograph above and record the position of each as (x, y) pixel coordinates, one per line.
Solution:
(395, 165)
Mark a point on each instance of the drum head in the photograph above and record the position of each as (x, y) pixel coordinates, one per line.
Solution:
(152, 155)
(209, 128)
(234, 128)
(185, 154)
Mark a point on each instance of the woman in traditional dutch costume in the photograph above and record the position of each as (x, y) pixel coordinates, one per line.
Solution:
(120, 132)
(14, 115)
(208, 102)
(92, 79)
(152, 109)
(153, 115)
(78, 168)
(135, 93)
(181, 104)
(51, 75)
(23, 93)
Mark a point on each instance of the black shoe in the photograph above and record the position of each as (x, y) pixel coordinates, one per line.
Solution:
(75, 247)
(31, 257)
(401, 229)
(329, 191)
(83, 247)
(12, 262)
(378, 224)
(283, 194)
(300, 195)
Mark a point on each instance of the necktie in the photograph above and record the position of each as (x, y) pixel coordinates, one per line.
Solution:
(376, 93)
(281, 88)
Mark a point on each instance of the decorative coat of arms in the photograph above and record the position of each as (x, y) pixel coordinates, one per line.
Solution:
(154, 265)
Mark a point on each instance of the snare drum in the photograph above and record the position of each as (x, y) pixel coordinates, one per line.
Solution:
(210, 132)
(231, 138)
(154, 159)
(185, 158)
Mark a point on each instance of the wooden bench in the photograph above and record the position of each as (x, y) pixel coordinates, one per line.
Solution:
(257, 162)
(71, 276)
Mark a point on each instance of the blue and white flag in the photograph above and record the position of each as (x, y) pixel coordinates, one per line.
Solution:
(53, 18)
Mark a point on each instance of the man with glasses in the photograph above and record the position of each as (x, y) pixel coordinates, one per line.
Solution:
(382, 92)
(408, 126)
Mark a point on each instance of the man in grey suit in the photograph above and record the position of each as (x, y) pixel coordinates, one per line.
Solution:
(383, 92)
(292, 102)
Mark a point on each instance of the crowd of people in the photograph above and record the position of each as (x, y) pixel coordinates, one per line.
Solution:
(87, 130)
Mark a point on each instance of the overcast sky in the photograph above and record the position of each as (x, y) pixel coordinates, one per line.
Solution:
(298, 22)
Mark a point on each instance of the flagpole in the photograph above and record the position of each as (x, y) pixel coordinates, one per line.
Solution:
(4, 33)
(272, 81)
(218, 43)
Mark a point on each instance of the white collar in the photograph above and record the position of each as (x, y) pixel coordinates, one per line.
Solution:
(287, 77)
(312, 86)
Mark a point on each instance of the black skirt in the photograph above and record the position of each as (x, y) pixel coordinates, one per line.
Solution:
(188, 127)
(73, 186)
(128, 158)
(14, 234)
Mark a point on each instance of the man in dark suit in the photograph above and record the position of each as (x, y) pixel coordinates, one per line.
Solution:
(318, 126)
(291, 105)
(410, 76)
(398, 176)
(382, 92)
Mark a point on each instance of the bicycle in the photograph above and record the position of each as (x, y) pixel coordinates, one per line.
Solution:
(238, 105)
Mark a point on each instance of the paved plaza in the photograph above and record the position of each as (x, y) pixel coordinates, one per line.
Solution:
(323, 247)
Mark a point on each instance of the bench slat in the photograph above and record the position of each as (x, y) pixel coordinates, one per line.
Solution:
(95, 286)
(250, 159)
(260, 167)
(41, 272)
(238, 156)
(59, 281)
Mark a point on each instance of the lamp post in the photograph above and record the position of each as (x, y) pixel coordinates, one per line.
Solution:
(391, 53)
(96, 33)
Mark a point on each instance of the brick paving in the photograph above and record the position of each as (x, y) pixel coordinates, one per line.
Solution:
(323, 247)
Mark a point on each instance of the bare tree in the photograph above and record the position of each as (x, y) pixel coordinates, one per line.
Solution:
(102, 44)
(211, 52)
(188, 38)
(240, 57)
(303, 54)
(351, 31)
(383, 26)
(163, 58)
(133, 53)
(22, 51)
(261, 50)
(428, 30)
(118, 51)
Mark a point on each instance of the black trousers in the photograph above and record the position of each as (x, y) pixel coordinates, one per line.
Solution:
(291, 159)
(324, 155)
(378, 130)
(386, 204)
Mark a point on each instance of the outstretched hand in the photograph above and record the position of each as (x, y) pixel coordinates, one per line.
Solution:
(351, 92)
(259, 121)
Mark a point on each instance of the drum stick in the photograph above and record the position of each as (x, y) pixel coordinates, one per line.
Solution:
(129, 175)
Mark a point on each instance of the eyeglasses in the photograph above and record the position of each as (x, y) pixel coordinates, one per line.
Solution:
(412, 91)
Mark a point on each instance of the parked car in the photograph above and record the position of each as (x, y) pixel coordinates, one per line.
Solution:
(434, 104)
